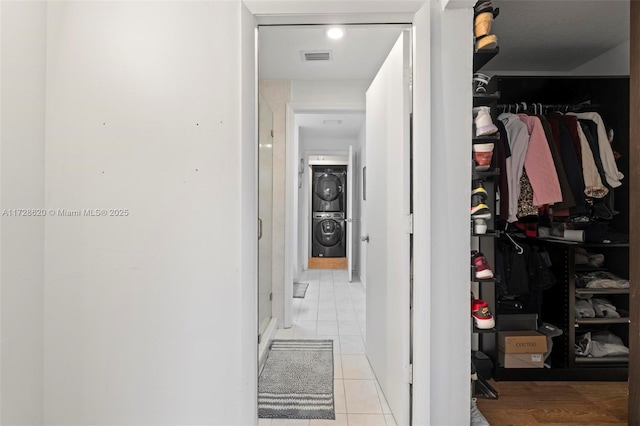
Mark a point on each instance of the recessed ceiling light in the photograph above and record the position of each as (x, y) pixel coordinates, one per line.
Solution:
(335, 33)
(332, 122)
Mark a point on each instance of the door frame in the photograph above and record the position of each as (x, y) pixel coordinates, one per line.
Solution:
(292, 268)
(434, 26)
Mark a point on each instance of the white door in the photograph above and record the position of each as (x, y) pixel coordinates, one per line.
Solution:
(349, 218)
(388, 207)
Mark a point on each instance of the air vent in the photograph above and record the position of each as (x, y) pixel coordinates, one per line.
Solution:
(316, 55)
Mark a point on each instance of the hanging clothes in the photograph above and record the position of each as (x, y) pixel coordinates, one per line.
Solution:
(590, 130)
(503, 152)
(565, 188)
(539, 164)
(570, 160)
(606, 152)
(518, 136)
(593, 186)
(526, 206)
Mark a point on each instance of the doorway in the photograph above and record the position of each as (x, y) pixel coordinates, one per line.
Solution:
(335, 306)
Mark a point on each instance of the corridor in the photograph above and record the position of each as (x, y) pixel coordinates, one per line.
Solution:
(335, 309)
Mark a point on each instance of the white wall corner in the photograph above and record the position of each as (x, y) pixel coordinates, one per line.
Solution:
(451, 125)
(614, 62)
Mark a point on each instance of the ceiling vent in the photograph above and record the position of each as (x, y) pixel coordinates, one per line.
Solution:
(316, 55)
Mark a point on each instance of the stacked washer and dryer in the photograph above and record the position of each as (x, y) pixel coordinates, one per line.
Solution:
(329, 210)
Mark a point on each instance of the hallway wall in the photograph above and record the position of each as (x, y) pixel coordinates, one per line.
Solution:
(22, 147)
(151, 317)
(277, 93)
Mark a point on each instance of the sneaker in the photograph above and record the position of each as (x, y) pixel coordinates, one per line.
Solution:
(480, 82)
(479, 192)
(477, 419)
(482, 6)
(482, 317)
(480, 212)
(487, 42)
(482, 120)
(482, 155)
(483, 270)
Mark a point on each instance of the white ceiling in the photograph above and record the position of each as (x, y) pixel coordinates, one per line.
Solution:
(358, 55)
(312, 125)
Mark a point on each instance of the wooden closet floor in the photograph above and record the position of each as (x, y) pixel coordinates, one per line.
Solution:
(557, 403)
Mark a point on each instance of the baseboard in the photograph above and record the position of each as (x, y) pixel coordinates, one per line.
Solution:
(265, 342)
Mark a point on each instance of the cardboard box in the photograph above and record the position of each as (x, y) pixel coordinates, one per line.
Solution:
(522, 342)
(521, 360)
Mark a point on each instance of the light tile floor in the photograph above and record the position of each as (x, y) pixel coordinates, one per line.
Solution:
(334, 308)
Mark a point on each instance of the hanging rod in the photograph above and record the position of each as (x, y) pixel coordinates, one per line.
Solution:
(542, 108)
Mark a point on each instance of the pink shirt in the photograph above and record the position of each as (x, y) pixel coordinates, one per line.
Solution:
(539, 165)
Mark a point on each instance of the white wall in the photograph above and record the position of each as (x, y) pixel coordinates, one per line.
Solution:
(329, 92)
(277, 93)
(151, 318)
(614, 62)
(22, 144)
(450, 144)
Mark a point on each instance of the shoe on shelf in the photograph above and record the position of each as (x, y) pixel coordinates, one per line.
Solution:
(478, 193)
(483, 122)
(482, 6)
(487, 42)
(482, 24)
(480, 82)
(482, 155)
(477, 419)
(483, 270)
(480, 212)
(482, 317)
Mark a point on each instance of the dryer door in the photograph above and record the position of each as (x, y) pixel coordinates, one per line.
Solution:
(328, 186)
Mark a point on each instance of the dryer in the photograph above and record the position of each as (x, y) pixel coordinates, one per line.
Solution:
(329, 189)
(328, 235)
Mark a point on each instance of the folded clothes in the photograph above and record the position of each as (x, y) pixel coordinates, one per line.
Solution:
(601, 279)
(600, 344)
(584, 309)
(604, 308)
(583, 257)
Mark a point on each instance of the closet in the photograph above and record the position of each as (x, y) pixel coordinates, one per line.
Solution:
(582, 242)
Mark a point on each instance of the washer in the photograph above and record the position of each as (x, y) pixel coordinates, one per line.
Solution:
(329, 188)
(328, 235)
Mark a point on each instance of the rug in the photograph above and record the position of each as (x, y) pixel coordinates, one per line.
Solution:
(297, 381)
(299, 290)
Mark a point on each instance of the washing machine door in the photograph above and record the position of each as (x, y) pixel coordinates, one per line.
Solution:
(328, 187)
(328, 233)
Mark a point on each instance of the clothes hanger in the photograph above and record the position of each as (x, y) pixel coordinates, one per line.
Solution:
(519, 249)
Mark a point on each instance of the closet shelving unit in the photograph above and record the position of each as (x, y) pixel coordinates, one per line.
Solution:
(558, 302)
(559, 309)
(486, 242)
